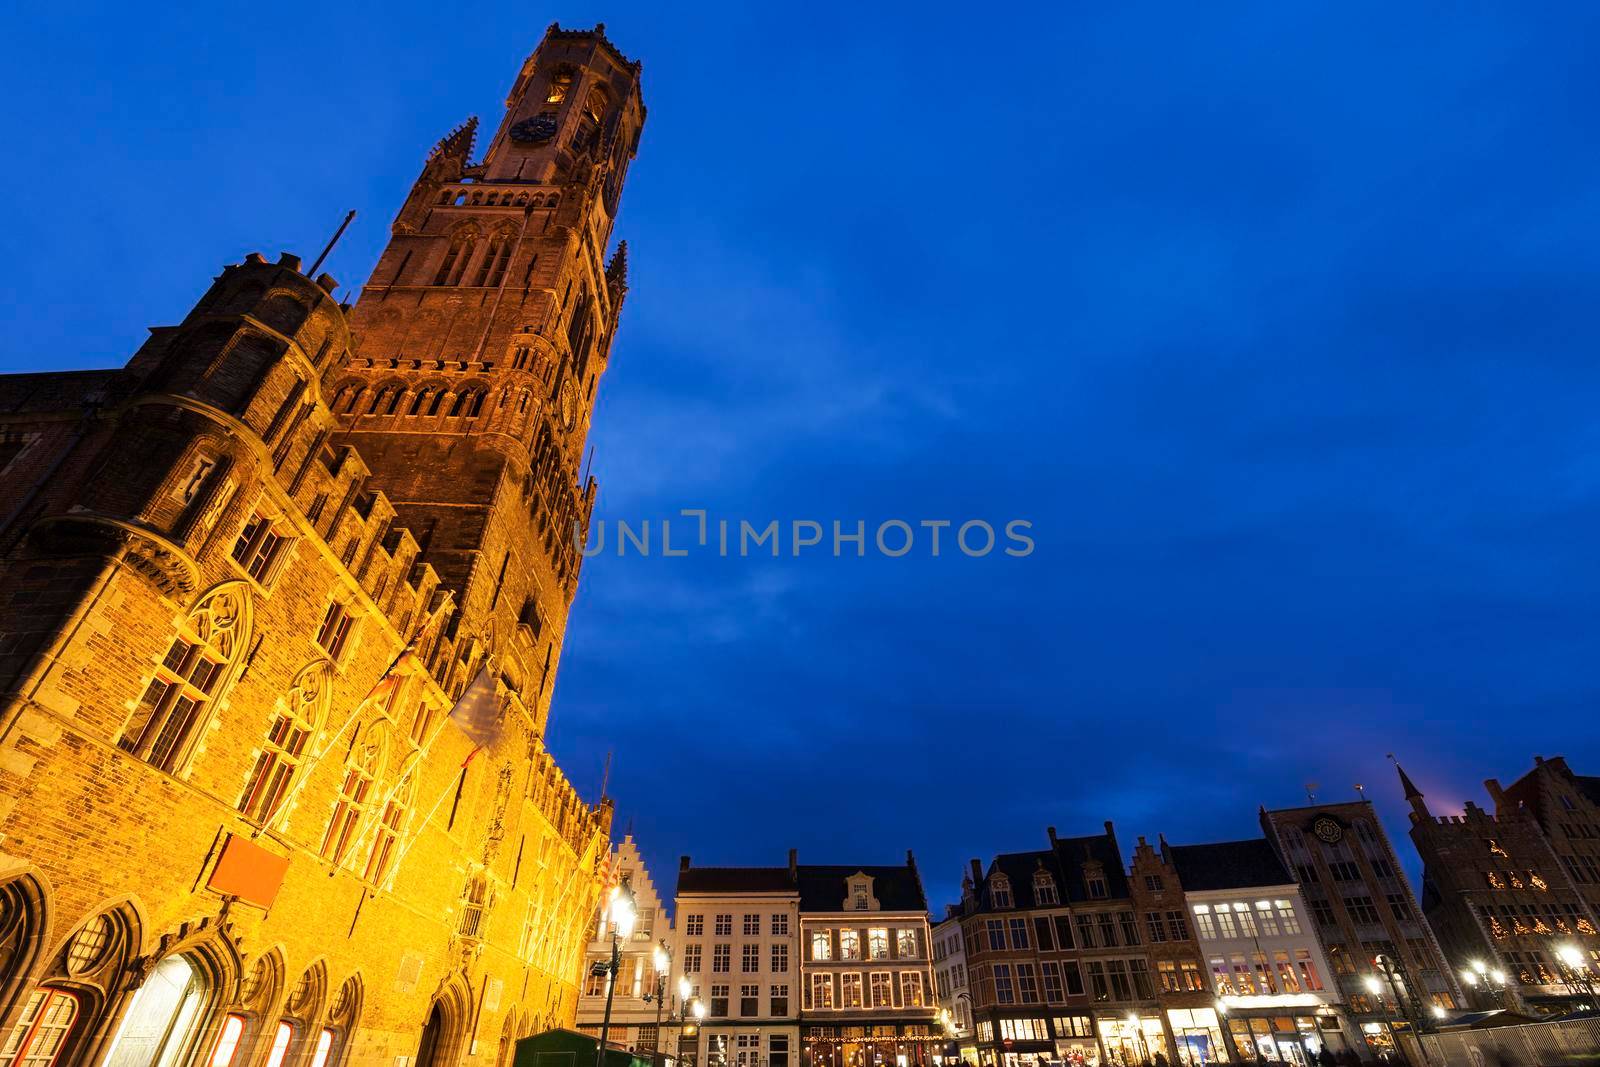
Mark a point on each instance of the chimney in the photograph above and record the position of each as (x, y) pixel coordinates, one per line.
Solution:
(1496, 794)
(1051, 830)
(977, 873)
(683, 864)
(911, 859)
(290, 260)
(794, 862)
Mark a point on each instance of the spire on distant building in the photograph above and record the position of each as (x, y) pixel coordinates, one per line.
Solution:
(1413, 794)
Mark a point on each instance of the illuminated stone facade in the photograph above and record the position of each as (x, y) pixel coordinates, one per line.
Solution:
(1494, 890)
(242, 581)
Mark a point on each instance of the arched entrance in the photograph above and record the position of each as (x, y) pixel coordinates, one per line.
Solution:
(429, 1050)
(163, 1020)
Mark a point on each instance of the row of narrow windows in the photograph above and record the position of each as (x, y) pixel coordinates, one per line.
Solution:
(462, 198)
(491, 268)
(390, 400)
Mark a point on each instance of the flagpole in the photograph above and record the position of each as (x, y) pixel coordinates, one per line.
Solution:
(394, 791)
(405, 849)
(315, 761)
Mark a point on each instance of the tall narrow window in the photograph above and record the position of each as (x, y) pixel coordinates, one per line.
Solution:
(324, 1046)
(496, 259)
(456, 258)
(42, 1029)
(361, 769)
(390, 826)
(189, 677)
(259, 547)
(291, 732)
(335, 629)
(228, 1041)
(280, 1044)
(560, 85)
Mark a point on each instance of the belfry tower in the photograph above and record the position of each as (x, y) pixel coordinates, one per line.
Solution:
(479, 342)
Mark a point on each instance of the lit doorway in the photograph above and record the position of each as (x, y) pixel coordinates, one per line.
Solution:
(163, 1020)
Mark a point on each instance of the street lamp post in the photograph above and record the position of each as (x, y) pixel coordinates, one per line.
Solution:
(662, 960)
(622, 914)
(1492, 981)
(1375, 987)
(1575, 968)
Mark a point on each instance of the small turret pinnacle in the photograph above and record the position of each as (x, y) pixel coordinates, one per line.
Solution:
(617, 269)
(458, 144)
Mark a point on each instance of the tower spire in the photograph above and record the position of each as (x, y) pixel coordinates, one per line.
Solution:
(1413, 794)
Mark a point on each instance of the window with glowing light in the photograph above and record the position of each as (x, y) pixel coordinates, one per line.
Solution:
(280, 1044)
(228, 1041)
(849, 944)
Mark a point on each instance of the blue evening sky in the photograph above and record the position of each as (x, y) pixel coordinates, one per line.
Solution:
(1279, 325)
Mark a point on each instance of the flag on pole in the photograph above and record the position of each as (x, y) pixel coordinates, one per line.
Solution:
(477, 713)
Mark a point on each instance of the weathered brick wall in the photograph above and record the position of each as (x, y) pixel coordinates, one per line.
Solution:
(445, 533)
(103, 826)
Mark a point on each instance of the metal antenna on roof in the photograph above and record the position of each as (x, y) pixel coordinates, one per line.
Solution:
(312, 273)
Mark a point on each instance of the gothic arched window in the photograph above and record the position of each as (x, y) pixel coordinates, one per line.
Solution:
(361, 771)
(498, 257)
(391, 825)
(292, 731)
(456, 258)
(192, 674)
(560, 85)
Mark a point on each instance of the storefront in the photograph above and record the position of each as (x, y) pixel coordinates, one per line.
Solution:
(879, 1045)
(1133, 1039)
(1295, 1039)
(1198, 1035)
(1076, 1045)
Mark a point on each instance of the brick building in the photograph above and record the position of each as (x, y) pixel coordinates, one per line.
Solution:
(1055, 961)
(243, 580)
(1495, 890)
(1566, 807)
(1175, 958)
(866, 967)
(1362, 907)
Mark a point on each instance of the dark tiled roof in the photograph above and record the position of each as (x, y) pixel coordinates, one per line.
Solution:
(825, 888)
(1020, 869)
(1229, 865)
(54, 391)
(1073, 852)
(1064, 862)
(735, 880)
(1588, 785)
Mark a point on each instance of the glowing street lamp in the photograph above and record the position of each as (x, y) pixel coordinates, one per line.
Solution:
(1575, 968)
(623, 913)
(661, 958)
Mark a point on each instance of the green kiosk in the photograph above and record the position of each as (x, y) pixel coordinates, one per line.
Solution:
(568, 1048)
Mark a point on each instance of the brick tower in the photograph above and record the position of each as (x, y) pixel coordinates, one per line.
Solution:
(244, 580)
(481, 337)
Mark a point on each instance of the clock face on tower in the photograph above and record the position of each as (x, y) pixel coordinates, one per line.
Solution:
(538, 129)
(1327, 828)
